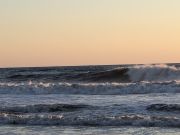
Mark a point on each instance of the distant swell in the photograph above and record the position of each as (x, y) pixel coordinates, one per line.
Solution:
(42, 108)
(123, 120)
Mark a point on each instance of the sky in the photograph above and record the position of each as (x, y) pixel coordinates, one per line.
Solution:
(88, 32)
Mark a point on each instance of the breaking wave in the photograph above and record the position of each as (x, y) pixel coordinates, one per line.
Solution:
(126, 74)
(154, 73)
(137, 74)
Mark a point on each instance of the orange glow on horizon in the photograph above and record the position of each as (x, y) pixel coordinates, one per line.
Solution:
(68, 32)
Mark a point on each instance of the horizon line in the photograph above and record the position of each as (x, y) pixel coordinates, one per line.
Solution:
(86, 65)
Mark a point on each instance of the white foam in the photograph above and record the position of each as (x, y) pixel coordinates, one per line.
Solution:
(90, 88)
(154, 73)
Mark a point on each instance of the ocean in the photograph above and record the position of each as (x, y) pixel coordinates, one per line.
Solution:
(91, 100)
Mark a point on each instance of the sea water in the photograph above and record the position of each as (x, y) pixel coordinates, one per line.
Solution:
(121, 99)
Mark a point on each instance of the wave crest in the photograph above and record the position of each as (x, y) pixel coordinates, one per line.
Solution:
(154, 73)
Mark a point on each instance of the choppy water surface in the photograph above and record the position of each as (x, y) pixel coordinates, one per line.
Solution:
(131, 99)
